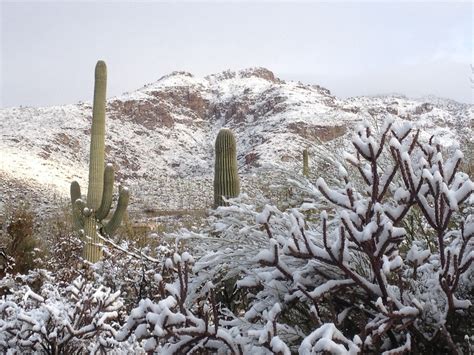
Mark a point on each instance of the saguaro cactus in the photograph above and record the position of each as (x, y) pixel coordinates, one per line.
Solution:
(305, 163)
(226, 178)
(89, 216)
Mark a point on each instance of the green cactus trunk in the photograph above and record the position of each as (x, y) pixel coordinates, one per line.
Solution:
(305, 163)
(97, 147)
(89, 216)
(226, 177)
(92, 251)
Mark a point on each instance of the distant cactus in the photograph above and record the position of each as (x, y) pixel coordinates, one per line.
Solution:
(89, 216)
(226, 177)
(305, 163)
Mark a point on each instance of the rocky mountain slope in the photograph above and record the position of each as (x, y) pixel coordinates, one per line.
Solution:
(161, 137)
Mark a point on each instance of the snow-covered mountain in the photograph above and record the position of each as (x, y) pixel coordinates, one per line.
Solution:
(162, 135)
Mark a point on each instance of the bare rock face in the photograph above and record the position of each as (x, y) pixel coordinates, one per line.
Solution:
(236, 112)
(315, 132)
(257, 72)
(251, 159)
(260, 73)
(149, 114)
(424, 108)
(162, 108)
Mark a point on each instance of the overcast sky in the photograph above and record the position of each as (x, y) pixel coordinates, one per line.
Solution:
(48, 50)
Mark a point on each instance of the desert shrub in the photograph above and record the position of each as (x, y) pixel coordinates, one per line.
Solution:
(130, 271)
(351, 282)
(79, 318)
(65, 248)
(377, 260)
(20, 248)
(178, 324)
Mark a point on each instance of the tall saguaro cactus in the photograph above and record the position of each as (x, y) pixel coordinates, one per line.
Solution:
(226, 177)
(89, 216)
(305, 163)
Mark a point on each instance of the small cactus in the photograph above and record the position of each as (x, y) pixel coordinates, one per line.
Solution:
(226, 177)
(89, 216)
(305, 163)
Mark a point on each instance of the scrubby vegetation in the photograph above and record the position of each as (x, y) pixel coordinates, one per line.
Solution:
(377, 259)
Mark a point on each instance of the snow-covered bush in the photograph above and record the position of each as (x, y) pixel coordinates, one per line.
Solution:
(349, 283)
(130, 270)
(378, 259)
(55, 310)
(356, 275)
(178, 324)
(77, 319)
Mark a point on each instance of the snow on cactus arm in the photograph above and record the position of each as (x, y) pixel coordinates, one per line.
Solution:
(327, 338)
(451, 166)
(264, 216)
(329, 286)
(278, 346)
(461, 304)
(335, 197)
(417, 256)
(405, 348)
(463, 192)
(362, 146)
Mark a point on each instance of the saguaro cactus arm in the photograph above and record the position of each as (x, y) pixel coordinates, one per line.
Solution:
(75, 191)
(78, 217)
(76, 203)
(117, 217)
(107, 194)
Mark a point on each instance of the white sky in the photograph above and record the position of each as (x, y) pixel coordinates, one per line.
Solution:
(49, 49)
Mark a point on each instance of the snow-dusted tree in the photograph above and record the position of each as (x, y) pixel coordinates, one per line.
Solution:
(77, 319)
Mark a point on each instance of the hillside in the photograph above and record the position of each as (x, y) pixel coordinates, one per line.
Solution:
(161, 136)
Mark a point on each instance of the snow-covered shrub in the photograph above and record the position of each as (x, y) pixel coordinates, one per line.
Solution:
(378, 262)
(64, 255)
(352, 282)
(77, 319)
(130, 270)
(355, 274)
(177, 323)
